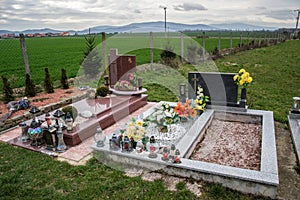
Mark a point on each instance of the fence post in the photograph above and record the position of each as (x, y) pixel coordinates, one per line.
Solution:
(151, 48)
(203, 45)
(182, 47)
(104, 52)
(230, 41)
(24, 52)
(219, 44)
(241, 39)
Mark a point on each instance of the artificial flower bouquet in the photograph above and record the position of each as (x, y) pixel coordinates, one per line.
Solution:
(135, 129)
(201, 100)
(129, 83)
(242, 78)
(185, 110)
(164, 115)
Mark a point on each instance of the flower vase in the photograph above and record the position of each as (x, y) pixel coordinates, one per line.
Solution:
(199, 112)
(183, 119)
(163, 128)
(243, 94)
(243, 98)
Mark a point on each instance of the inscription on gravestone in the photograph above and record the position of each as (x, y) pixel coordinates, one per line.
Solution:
(120, 65)
(220, 87)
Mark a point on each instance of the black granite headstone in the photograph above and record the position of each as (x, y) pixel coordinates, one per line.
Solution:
(220, 87)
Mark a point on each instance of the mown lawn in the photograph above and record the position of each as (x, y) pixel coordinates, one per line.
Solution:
(30, 175)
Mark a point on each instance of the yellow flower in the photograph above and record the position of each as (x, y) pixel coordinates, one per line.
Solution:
(249, 80)
(130, 124)
(245, 76)
(235, 77)
(242, 81)
(242, 71)
(139, 122)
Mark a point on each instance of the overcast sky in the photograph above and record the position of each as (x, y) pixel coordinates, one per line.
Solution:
(81, 14)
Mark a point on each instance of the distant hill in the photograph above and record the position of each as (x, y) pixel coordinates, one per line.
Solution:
(241, 27)
(147, 27)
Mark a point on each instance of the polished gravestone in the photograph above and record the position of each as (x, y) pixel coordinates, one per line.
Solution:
(220, 88)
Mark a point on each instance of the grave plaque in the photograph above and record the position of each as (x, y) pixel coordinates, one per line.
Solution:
(120, 65)
(220, 87)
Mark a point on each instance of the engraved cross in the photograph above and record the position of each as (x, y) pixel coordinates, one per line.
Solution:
(195, 79)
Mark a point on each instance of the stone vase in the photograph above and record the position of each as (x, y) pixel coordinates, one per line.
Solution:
(244, 94)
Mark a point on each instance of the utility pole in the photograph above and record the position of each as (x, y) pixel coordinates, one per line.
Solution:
(165, 8)
(296, 30)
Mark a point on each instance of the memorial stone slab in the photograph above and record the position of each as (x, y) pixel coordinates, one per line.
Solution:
(120, 65)
(220, 87)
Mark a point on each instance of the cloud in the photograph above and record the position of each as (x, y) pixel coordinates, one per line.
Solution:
(189, 7)
(278, 14)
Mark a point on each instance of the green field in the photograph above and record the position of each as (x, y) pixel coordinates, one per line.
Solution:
(56, 53)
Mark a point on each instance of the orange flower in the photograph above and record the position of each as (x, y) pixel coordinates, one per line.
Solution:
(178, 108)
(193, 113)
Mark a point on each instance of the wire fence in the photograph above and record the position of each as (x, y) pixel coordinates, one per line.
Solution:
(68, 51)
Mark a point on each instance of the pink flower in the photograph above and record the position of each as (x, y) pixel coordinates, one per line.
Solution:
(130, 76)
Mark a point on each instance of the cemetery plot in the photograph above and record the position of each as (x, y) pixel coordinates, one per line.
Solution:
(233, 144)
(260, 176)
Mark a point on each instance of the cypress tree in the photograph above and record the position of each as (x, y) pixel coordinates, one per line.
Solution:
(7, 90)
(29, 86)
(92, 60)
(64, 79)
(48, 85)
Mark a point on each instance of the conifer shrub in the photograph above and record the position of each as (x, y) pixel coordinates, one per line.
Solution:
(64, 79)
(7, 90)
(102, 90)
(48, 84)
(29, 86)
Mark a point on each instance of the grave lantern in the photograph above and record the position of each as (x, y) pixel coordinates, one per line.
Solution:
(296, 105)
(24, 136)
(182, 93)
(61, 146)
(58, 114)
(35, 130)
(69, 122)
(114, 142)
(153, 146)
(140, 83)
(126, 144)
(99, 137)
(177, 156)
(165, 156)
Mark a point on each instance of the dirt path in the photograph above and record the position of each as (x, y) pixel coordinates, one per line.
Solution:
(289, 180)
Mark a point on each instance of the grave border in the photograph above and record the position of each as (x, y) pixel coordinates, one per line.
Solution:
(263, 182)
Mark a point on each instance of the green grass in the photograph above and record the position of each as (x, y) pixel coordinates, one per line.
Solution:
(276, 74)
(30, 175)
(67, 52)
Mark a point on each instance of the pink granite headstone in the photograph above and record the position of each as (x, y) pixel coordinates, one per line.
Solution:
(120, 65)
